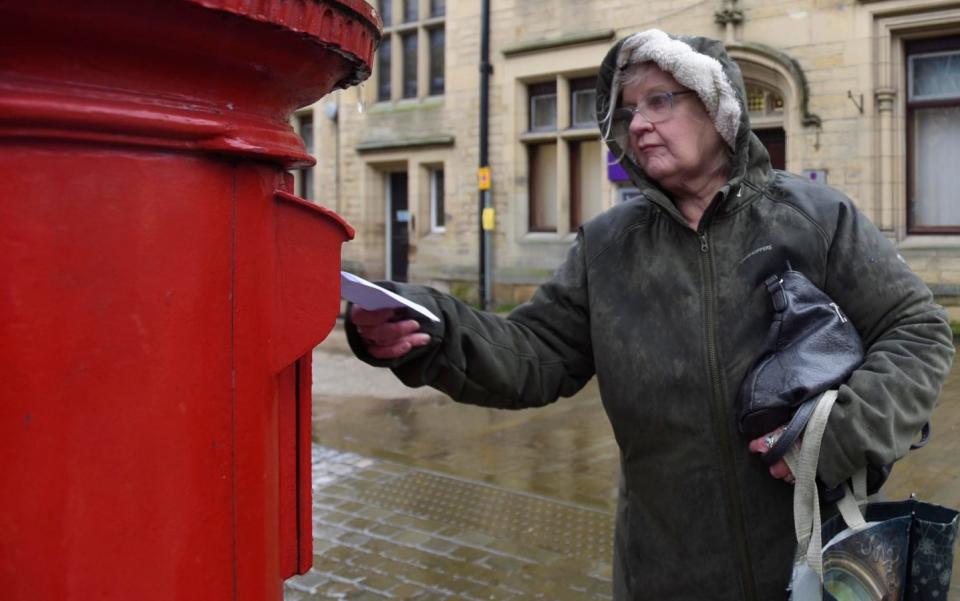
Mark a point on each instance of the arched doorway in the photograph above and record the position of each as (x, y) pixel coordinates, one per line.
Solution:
(766, 108)
(777, 100)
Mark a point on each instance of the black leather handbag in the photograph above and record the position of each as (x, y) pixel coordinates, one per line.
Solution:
(811, 347)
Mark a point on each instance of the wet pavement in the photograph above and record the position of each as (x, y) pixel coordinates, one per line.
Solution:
(418, 497)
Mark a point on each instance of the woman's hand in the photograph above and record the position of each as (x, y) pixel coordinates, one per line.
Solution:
(761, 445)
(384, 335)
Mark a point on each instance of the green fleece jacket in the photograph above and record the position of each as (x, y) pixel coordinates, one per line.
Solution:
(670, 320)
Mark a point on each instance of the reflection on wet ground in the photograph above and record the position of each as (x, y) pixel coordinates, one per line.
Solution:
(418, 497)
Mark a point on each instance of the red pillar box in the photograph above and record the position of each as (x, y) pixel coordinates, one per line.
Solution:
(161, 291)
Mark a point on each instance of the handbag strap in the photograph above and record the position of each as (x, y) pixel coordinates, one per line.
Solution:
(790, 433)
(806, 504)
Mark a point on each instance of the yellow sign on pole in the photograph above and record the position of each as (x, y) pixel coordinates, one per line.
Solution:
(488, 219)
(483, 178)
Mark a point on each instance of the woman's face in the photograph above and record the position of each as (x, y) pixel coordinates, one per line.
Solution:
(683, 147)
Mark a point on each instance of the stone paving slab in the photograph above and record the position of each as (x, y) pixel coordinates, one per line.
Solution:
(383, 530)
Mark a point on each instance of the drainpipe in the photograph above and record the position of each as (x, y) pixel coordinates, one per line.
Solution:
(486, 205)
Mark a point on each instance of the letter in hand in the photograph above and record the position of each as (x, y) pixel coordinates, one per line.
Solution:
(386, 333)
(761, 445)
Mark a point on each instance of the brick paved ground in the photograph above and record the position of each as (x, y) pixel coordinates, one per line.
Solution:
(417, 497)
(384, 530)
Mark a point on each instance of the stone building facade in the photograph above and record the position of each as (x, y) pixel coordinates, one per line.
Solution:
(862, 94)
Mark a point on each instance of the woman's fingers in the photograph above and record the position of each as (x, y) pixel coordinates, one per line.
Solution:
(379, 327)
(780, 469)
(388, 333)
(361, 317)
(397, 347)
(384, 338)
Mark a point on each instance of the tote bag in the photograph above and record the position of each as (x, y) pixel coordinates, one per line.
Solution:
(889, 551)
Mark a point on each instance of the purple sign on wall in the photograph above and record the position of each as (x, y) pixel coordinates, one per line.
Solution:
(615, 172)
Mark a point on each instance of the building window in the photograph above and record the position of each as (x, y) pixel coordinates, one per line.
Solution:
(564, 154)
(412, 53)
(543, 187)
(766, 108)
(383, 67)
(438, 220)
(585, 180)
(436, 36)
(385, 7)
(583, 102)
(543, 106)
(763, 101)
(933, 134)
(409, 64)
(410, 10)
(305, 181)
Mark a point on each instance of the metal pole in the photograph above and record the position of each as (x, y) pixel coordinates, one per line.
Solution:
(486, 207)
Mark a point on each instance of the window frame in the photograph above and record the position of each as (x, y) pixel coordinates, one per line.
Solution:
(770, 117)
(567, 140)
(305, 183)
(544, 90)
(575, 172)
(578, 87)
(437, 226)
(409, 72)
(400, 73)
(431, 89)
(385, 59)
(533, 219)
(911, 49)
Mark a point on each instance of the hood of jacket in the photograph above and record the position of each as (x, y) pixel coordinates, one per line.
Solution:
(750, 158)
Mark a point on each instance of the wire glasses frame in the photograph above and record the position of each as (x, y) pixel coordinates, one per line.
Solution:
(654, 107)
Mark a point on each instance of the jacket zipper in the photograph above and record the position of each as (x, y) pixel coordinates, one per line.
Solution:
(734, 503)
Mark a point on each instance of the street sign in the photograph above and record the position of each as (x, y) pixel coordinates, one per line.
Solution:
(483, 178)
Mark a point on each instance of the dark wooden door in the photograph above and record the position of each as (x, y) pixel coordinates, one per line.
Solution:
(399, 225)
(775, 139)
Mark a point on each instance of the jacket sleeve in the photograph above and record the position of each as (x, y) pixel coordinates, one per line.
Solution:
(539, 353)
(909, 350)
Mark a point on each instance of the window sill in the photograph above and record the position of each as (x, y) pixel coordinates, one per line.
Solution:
(547, 238)
(580, 133)
(539, 136)
(406, 104)
(401, 28)
(929, 241)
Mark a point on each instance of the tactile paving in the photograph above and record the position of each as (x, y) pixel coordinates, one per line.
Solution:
(575, 532)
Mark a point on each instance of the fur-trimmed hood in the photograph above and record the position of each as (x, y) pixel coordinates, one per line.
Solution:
(722, 92)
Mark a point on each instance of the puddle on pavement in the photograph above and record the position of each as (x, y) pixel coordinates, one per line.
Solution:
(565, 451)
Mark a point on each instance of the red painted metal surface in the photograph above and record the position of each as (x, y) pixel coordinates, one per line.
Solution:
(161, 292)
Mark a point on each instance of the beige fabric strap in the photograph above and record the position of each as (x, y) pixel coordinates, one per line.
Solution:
(849, 507)
(806, 504)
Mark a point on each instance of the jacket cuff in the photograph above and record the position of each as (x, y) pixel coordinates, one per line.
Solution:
(835, 465)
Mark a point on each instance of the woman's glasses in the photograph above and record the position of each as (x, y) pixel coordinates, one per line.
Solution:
(654, 108)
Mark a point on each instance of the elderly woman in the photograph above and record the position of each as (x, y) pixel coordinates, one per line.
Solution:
(662, 298)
